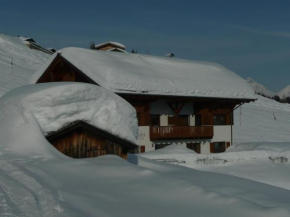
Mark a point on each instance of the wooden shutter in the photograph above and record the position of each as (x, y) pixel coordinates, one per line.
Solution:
(228, 144)
(211, 147)
(142, 148)
(197, 148)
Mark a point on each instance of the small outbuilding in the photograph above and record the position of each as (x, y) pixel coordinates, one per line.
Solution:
(80, 120)
(111, 46)
(82, 140)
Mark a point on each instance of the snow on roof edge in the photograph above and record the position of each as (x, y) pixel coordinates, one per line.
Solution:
(111, 42)
(94, 73)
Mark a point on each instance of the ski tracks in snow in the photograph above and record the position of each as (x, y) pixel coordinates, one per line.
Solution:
(22, 195)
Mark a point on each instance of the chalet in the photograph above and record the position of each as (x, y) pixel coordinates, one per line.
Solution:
(111, 46)
(177, 101)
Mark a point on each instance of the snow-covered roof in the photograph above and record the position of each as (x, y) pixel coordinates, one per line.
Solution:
(25, 62)
(55, 105)
(112, 43)
(23, 38)
(144, 74)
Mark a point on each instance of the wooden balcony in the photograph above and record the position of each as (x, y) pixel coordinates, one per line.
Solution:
(180, 132)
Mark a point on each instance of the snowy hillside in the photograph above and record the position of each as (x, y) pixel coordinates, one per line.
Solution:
(264, 120)
(37, 180)
(259, 88)
(284, 93)
(25, 62)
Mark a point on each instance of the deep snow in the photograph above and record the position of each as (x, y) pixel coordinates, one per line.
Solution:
(37, 180)
(55, 105)
(264, 120)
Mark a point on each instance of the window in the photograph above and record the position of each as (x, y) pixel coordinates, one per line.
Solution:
(155, 120)
(194, 146)
(218, 147)
(181, 120)
(142, 148)
(197, 120)
(219, 120)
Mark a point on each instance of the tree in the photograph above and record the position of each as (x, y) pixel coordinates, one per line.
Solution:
(134, 51)
(92, 45)
(277, 98)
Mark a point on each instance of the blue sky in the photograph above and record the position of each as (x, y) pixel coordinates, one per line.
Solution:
(252, 38)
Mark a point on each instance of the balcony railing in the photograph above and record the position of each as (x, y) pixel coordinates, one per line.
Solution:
(179, 132)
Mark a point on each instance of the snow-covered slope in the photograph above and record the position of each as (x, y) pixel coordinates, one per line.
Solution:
(55, 105)
(36, 180)
(284, 93)
(143, 74)
(264, 120)
(25, 62)
(259, 88)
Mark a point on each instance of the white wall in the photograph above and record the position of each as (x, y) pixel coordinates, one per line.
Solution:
(222, 133)
(191, 120)
(144, 138)
(164, 120)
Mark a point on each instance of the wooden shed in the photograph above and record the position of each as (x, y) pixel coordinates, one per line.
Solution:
(82, 140)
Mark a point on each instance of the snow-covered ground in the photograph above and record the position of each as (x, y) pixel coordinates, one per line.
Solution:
(37, 180)
(264, 120)
(17, 63)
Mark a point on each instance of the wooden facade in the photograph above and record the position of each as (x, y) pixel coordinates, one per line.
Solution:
(61, 71)
(110, 46)
(81, 140)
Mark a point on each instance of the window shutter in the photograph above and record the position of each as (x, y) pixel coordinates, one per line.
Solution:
(142, 149)
(211, 147)
(228, 144)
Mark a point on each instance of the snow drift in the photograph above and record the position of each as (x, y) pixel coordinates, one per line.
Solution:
(55, 105)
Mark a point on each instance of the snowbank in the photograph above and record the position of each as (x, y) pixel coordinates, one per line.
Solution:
(177, 154)
(55, 105)
(17, 63)
(143, 74)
